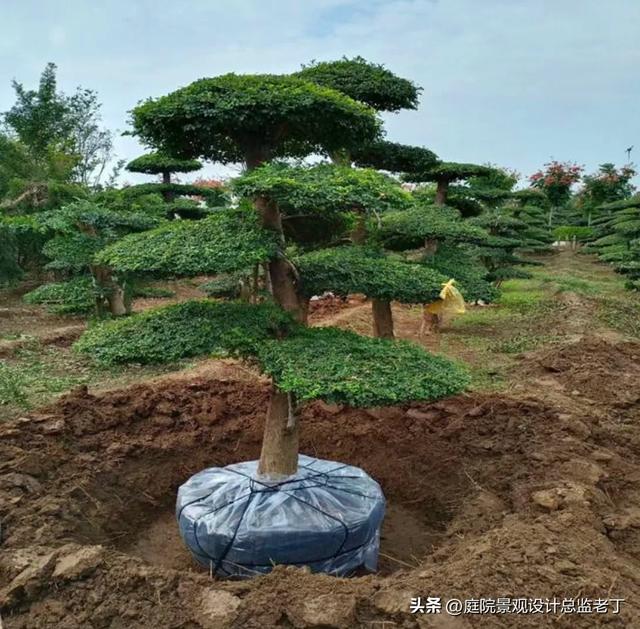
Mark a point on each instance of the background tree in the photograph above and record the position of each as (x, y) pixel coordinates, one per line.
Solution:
(607, 185)
(556, 180)
(445, 173)
(47, 122)
(81, 229)
(617, 238)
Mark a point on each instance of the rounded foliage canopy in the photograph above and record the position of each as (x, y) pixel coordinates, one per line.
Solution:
(325, 363)
(394, 157)
(345, 368)
(191, 328)
(367, 82)
(408, 230)
(228, 240)
(322, 189)
(253, 118)
(353, 269)
(450, 171)
(156, 162)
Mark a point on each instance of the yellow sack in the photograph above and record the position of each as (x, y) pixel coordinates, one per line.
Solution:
(451, 301)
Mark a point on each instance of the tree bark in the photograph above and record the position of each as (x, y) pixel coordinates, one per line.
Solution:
(341, 157)
(382, 319)
(442, 189)
(359, 232)
(279, 455)
(430, 247)
(168, 195)
(115, 294)
(281, 273)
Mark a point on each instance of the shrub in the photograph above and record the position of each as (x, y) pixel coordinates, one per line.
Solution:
(192, 328)
(569, 232)
(77, 296)
(342, 367)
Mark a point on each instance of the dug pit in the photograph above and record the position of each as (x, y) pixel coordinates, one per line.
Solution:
(486, 494)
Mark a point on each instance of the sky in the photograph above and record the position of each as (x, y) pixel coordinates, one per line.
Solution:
(510, 82)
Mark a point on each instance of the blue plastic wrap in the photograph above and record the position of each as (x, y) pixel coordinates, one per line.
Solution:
(327, 517)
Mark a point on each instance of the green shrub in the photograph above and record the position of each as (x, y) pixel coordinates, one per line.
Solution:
(346, 368)
(192, 328)
(352, 269)
(152, 292)
(470, 275)
(569, 232)
(227, 285)
(77, 296)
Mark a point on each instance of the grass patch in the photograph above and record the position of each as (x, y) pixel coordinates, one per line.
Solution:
(621, 314)
(35, 378)
(523, 343)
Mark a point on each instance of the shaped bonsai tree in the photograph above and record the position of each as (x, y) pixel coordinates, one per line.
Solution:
(617, 238)
(176, 195)
(81, 229)
(255, 119)
(445, 173)
(369, 83)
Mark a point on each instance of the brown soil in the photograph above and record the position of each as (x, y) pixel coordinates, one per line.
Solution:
(488, 496)
(531, 492)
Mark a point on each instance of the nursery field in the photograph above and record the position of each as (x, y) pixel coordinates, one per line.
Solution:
(526, 485)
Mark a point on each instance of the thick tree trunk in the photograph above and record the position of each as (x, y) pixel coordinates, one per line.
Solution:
(281, 273)
(382, 319)
(279, 455)
(430, 247)
(115, 294)
(442, 190)
(117, 301)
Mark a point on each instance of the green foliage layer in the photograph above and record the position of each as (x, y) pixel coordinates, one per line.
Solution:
(367, 82)
(183, 330)
(400, 231)
(76, 296)
(325, 188)
(155, 163)
(214, 197)
(347, 270)
(346, 368)
(228, 240)
(394, 157)
(234, 118)
(450, 171)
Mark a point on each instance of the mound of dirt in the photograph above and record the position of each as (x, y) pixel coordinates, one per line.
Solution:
(601, 370)
(488, 496)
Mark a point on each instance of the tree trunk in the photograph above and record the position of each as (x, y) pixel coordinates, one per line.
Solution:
(442, 190)
(281, 273)
(304, 310)
(267, 278)
(359, 232)
(341, 157)
(382, 319)
(115, 294)
(430, 247)
(117, 301)
(168, 195)
(279, 455)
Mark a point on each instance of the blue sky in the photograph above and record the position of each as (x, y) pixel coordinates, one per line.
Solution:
(511, 82)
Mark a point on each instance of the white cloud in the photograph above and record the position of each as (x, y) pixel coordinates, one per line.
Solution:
(507, 81)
